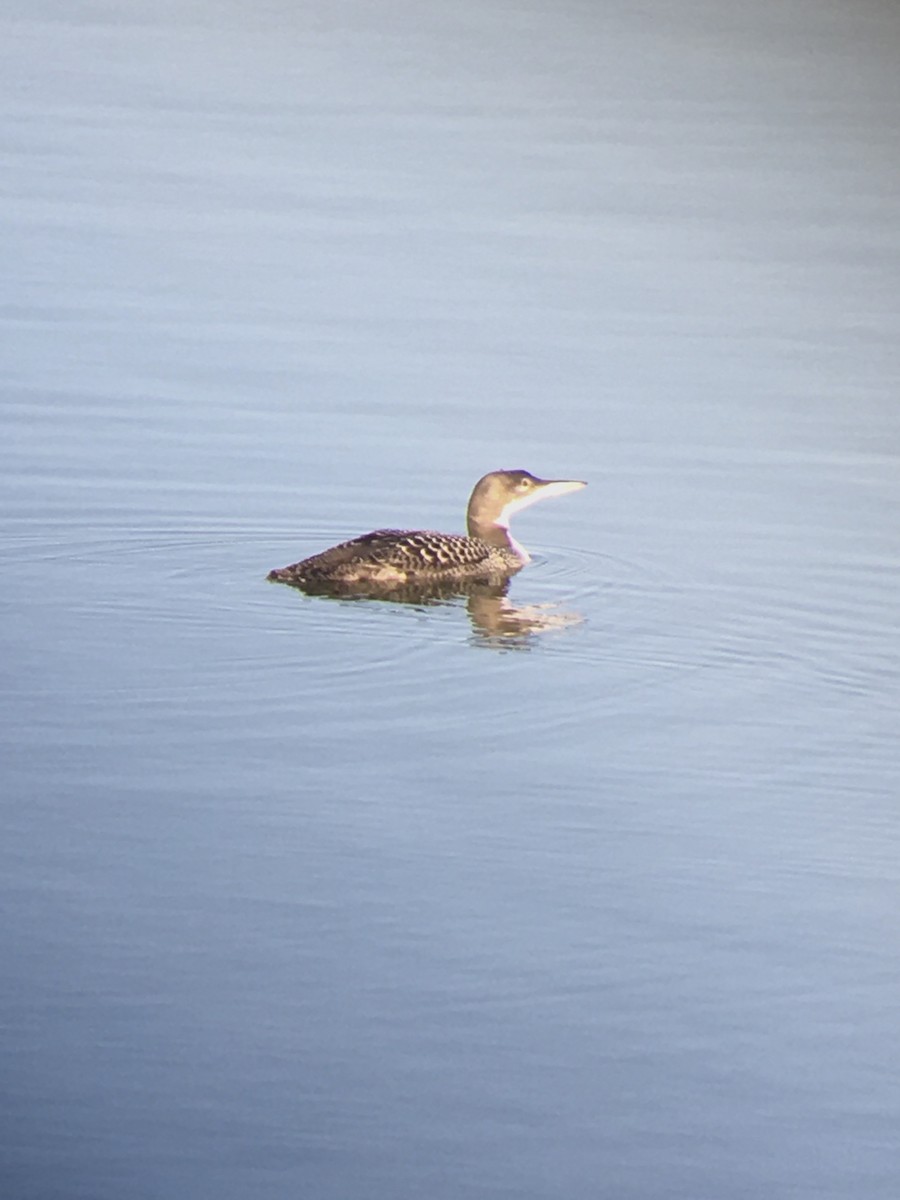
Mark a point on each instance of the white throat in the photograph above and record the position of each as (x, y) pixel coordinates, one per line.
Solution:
(517, 548)
(502, 522)
(558, 487)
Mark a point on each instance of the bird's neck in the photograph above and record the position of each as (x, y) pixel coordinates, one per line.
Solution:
(496, 533)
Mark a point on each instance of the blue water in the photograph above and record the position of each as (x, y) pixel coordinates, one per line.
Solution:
(592, 892)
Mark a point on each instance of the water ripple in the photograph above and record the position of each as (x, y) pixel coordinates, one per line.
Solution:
(617, 627)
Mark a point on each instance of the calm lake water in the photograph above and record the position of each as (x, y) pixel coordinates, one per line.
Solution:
(592, 894)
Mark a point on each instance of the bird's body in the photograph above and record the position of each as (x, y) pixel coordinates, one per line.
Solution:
(398, 557)
(388, 559)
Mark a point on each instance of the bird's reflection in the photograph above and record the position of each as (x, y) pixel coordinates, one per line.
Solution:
(496, 621)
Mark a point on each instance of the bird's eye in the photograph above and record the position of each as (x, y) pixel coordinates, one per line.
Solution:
(524, 483)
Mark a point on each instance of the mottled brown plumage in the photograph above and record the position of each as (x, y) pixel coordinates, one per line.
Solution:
(396, 558)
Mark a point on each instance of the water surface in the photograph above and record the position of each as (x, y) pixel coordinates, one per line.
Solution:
(368, 899)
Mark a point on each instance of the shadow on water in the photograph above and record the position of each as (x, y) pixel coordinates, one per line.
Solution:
(497, 623)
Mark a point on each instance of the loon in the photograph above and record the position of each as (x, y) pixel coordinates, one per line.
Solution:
(397, 558)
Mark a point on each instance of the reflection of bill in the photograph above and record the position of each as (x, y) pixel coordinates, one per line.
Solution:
(498, 622)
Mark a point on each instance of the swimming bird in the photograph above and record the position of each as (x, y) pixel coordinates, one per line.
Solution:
(402, 558)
